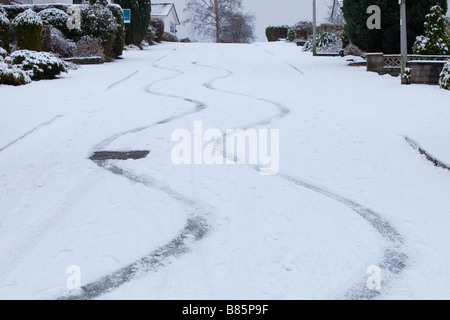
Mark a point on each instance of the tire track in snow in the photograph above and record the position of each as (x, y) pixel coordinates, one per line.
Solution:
(46, 123)
(394, 259)
(434, 160)
(196, 227)
(122, 80)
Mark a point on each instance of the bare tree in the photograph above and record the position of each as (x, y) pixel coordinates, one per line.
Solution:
(239, 28)
(213, 18)
(336, 15)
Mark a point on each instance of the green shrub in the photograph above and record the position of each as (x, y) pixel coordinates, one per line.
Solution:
(98, 21)
(39, 65)
(436, 40)
(119, 43)
(28, 27)
(444, 79)
(140, 19)
(326, 42)
(4, 31)
(273, 33)
(11, 74)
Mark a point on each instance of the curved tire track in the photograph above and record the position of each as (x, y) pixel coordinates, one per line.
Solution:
(197, 225)
(394, 259)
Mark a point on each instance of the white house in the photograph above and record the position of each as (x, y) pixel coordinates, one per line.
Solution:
(168, 13)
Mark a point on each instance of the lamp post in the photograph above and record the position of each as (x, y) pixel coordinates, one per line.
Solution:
(314, 29)
(403, 40)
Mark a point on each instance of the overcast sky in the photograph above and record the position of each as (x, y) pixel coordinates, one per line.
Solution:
(267, 12)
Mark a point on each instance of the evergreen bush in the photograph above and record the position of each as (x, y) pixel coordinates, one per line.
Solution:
(56, 18)
(28, 27)
(444, 79)
(325, 42)
(12, 75)
(39, 65)
(436, 40)
(119, 43)
(98, 21)
(140, 19)
(273, 33)
(4, 31)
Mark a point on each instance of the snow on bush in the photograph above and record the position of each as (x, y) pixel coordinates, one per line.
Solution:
(28, 27)
(39, 65)
(11, 74)
(4, 31)
(119, 43)
(436, 40)
(55, 17)
(444, 80)
(3, 53)
(99, 22)
(28, 17)
(326, 42)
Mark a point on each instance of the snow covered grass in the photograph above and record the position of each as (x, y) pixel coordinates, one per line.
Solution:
(297, 235)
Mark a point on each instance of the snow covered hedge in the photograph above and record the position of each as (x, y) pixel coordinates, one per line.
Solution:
(4, 31)
(38, 65)
(11, 74)
(28, 27)
(444, 80)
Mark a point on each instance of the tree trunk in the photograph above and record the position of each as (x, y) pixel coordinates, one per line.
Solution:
(216, 9)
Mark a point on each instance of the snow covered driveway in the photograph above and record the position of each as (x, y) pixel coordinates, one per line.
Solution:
(352, 195)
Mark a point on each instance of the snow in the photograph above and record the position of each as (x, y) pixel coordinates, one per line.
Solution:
(351, 192)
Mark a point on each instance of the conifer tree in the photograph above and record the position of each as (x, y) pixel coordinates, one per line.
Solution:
(436, 40)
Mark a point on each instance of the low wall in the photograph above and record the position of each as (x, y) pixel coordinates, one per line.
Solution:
(425, 72)
(425, 68)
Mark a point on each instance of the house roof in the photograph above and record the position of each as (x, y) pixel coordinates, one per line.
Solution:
(163, 10)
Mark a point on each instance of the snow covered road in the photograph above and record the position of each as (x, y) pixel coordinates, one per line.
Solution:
(351, 194)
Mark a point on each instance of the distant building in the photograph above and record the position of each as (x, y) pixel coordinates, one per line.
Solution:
(168, 13)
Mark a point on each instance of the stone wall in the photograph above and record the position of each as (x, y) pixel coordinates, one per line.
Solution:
(425, 69)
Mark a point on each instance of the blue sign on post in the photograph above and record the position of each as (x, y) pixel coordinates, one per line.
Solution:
(127, 15)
